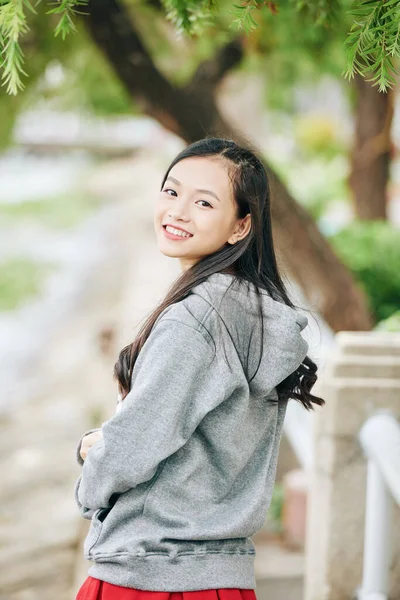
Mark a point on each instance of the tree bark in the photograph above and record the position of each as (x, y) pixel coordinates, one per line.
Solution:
(191, 113)
(372, 150)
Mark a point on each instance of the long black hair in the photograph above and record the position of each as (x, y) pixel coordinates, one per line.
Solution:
(252, 259)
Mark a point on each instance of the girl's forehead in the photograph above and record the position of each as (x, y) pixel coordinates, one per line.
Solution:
(201, 172)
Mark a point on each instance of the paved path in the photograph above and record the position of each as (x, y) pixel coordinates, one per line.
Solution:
(40, 528)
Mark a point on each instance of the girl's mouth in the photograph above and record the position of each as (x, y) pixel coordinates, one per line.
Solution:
(173, 236)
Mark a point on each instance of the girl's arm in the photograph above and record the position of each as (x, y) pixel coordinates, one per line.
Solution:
(175, 383)
(87, 513)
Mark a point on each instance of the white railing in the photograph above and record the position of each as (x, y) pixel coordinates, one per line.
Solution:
(380, 440)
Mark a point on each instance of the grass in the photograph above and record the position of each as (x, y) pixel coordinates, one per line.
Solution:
(20, 280)
(63, 211)
(20, 277)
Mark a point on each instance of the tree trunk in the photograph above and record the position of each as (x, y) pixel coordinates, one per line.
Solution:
(372, 150)
(191, 113)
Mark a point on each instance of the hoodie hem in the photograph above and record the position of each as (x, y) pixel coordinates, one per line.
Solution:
(177, 574)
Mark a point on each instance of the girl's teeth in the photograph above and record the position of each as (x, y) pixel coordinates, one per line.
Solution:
(177, 232)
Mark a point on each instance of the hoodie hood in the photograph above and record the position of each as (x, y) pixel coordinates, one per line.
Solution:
(278, 343)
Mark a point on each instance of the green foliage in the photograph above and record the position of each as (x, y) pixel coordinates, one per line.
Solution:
(9, 107)
(315, 172)
(321, 13)
(325, 13)
(67, 10)
(244, 18)
(189, 17)
(316, 183)
(88, 83)
(14, 24)
(392, 323)
(274, 514)
(316, 136)
(178, 56)
(20, 280)
(374, 41)
(289, 50)
(371, 250)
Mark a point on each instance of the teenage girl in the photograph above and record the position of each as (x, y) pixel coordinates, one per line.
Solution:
(180, 478)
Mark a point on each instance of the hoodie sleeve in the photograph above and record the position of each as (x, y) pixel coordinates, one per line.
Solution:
(78, 448)
(175, 383)
(87, 513)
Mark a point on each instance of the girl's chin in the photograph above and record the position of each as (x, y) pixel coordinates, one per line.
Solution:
(172, 252)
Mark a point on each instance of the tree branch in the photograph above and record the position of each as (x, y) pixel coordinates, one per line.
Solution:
(112, 29)
(192, 113)
(210, 72)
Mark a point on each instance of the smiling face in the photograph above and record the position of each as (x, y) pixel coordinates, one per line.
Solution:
(197, 198)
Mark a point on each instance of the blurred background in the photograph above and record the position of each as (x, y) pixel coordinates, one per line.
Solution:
(84, 146)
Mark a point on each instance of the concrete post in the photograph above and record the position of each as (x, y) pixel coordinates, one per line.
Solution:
(362, 376)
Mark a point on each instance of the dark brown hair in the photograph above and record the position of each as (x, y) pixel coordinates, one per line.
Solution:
(252, 259)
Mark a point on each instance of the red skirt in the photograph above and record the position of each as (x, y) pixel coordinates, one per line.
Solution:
(95, 589)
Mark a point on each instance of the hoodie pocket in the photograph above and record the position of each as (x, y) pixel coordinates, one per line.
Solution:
(93, 535)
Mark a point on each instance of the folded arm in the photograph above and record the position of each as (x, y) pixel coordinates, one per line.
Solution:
(79, 446)
(175, 383)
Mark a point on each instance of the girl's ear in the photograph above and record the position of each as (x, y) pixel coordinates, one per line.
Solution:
(241, 230)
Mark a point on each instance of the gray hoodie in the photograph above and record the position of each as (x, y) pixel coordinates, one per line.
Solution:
(184, 473)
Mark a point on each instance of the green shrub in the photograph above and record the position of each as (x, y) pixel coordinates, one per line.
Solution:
(392, 323)
(317, 136)
(317, 182)
(274, 515)
(371, 250)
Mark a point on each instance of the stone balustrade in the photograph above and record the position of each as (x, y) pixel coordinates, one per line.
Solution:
(361, 378)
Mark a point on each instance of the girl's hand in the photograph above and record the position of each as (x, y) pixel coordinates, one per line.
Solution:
(88, 442)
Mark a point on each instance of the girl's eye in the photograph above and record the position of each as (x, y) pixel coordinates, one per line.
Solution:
(169, 190)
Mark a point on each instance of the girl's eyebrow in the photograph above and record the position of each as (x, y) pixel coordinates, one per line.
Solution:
(198, 190)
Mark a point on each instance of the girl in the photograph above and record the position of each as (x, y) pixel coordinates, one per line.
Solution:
(181, 477)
